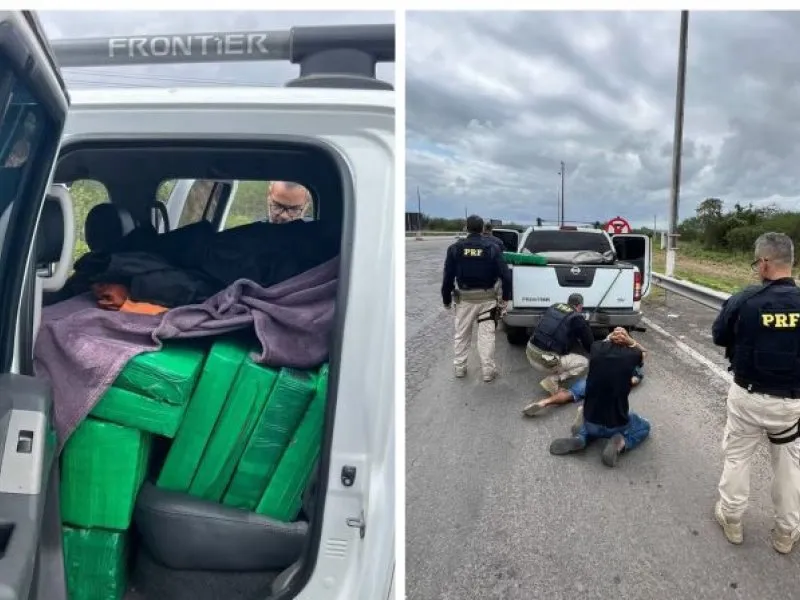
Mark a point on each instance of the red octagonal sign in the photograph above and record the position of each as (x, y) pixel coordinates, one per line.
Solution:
(617, 226)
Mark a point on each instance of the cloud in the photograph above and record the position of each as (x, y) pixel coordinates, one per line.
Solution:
(84, 24)
(496, 100)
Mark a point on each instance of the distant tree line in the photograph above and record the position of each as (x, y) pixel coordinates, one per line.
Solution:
(736, 230)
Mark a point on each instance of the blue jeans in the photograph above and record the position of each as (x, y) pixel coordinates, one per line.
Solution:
(635, 432)
(578, 389)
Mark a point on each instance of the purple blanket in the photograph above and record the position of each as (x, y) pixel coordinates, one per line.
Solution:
(81, 349)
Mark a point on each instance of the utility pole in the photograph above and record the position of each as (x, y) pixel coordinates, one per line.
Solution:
(419, 215)
(677, 147)
(561, 204)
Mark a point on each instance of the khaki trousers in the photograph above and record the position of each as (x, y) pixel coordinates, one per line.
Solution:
(466, 316)
(568, 366)
(750, 417)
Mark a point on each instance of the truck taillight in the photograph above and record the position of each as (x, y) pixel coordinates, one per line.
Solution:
(637, 286)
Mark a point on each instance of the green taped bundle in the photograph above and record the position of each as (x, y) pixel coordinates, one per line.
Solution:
(95, 562)
(140, 412)
(285, 409)
(246, 401)
(167, 375)
(103, 467)
(219, 372)
(521, 258)
(283, 497)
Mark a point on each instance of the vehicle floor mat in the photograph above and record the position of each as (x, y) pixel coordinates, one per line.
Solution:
(95, 561)
(283, 498)
(286, 406)
(152, 581)
(219, 373)
(103, 466)
(130, 409)
(246, 401)
(167, 375)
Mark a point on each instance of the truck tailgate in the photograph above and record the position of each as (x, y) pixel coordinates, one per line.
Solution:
(602, 286)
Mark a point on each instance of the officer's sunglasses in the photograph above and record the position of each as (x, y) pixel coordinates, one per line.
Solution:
(756, 262)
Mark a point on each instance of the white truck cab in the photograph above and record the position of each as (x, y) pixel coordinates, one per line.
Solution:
(332, 128)
(611, 272)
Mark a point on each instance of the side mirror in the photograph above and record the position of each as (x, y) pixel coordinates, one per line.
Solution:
(55, 239)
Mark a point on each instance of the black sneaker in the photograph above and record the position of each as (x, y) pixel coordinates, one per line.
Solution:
(568, 445)
(613, 449)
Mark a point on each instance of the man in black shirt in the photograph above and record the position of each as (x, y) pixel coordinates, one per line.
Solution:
(606, 414)
(550, 348)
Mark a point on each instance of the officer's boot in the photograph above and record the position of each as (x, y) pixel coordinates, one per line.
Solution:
(461, 372)
(550, 384)
(731, 529)
(783, 541)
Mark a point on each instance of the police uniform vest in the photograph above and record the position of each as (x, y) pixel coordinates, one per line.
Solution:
(476, 267)
(552, 332)
(766, 354)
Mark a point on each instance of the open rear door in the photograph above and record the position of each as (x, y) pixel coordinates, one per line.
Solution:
(635, 249)
(33, 108)
(509, 237)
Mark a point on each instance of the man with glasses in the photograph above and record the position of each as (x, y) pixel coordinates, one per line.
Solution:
(287, 201)
(760, 330)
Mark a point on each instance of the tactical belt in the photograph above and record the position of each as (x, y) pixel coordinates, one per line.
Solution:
(791, 394)
(787, 435)
(475, 296)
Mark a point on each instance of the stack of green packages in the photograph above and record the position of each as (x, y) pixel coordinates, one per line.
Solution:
(208, 400)
(283, 497)
(94, 562)
(522, 258)
(153, 389)
(286, 406)
(103, 467)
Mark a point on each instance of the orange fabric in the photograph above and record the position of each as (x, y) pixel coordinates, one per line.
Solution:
(114, 296)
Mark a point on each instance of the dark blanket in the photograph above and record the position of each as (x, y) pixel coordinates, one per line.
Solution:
(190, 264)
(81, 349)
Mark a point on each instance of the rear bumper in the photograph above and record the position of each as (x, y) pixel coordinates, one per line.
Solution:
(529, 318)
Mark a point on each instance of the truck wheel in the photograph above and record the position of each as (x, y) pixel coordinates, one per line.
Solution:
(516, 336)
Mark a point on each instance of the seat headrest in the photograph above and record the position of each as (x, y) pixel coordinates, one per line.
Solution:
(50, 233)
(106, 225)
(55, 237)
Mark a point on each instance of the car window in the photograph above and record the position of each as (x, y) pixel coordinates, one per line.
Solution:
(22, 131)
(274, 201)
(86, 194)
(201, 201)
(567, 241)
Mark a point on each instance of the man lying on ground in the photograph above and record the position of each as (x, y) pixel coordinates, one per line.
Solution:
(606, 413)
(577, 391)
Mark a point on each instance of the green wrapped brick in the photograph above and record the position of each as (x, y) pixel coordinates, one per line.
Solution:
(283, 497)
(140, 412)
(246, 401)
(95, 562)
(168, 375)
(285, 409)
(103, 466)
(219, 372)
(523, 258)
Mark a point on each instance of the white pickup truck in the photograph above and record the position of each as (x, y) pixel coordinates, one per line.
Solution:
(611, 272)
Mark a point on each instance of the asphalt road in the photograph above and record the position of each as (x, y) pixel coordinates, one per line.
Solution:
(491, 514)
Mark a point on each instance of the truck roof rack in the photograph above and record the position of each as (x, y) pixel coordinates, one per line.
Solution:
(334, 56)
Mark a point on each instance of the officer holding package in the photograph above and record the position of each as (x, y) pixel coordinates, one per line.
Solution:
(760, 329)
(475, 264)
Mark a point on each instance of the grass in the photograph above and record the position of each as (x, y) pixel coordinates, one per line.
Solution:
(719, 271)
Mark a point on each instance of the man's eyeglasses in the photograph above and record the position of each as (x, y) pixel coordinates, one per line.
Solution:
(754, 265)
(292, 210)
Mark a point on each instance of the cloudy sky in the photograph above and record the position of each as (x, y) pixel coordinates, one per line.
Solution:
(496, 100)
(77, 24)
